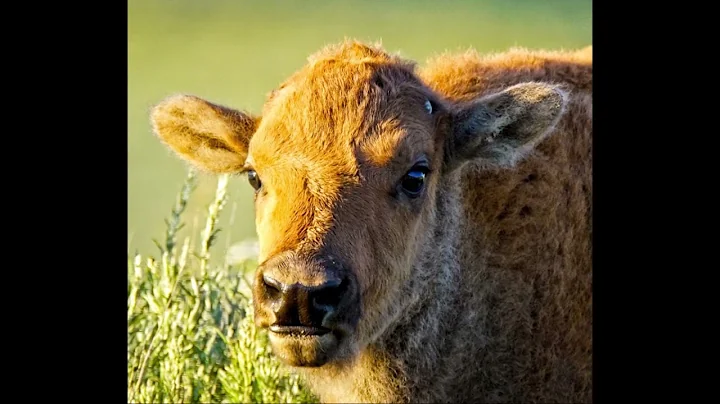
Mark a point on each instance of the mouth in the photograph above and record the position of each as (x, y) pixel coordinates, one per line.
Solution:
(298, 331)
(302, 346)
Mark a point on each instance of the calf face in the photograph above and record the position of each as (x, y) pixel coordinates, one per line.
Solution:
(346, 160)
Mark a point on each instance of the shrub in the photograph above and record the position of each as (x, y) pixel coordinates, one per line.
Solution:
(191, 336)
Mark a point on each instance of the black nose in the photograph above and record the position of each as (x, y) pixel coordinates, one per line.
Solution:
(297, 305)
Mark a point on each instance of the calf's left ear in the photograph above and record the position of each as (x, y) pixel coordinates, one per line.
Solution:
(499, 129)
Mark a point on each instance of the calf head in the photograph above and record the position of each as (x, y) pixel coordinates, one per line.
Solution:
(346, 160)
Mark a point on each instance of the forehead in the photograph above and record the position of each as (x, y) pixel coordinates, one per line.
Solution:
(357, 104)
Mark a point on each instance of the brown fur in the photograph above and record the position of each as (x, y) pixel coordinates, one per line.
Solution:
(480, 290)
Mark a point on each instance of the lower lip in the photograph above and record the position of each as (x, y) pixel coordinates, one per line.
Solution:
(298, 331)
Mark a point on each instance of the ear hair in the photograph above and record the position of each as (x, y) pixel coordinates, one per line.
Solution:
(501, 128)
(209, 136)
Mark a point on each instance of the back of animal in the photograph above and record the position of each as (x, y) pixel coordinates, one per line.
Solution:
(527, 239)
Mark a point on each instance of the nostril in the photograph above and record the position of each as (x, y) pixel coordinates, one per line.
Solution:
(272, 286)
(330, 295)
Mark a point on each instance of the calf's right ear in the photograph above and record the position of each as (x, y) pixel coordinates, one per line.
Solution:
(210, 137)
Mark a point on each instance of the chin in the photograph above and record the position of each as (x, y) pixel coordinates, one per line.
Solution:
(305, 350)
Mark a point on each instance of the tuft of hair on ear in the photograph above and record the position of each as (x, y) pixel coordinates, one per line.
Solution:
(500, 129)
(211, 137)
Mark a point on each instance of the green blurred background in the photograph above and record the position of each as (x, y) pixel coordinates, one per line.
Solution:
(235, 52)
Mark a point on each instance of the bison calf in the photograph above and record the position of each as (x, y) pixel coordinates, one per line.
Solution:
(425, 234)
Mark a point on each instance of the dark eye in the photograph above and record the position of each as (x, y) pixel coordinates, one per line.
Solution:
(414, 181)
(254, 180)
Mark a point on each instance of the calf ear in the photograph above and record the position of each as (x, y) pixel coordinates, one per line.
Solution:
(499, 129)
(210, 137)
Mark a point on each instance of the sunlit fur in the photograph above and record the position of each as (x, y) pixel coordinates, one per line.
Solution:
(480, 289)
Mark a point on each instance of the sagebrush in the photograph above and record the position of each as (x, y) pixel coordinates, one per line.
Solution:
(191, 336)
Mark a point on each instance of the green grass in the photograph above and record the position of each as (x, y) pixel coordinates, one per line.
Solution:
(191, 336)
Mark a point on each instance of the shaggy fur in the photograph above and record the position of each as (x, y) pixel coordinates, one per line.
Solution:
(478, 290)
